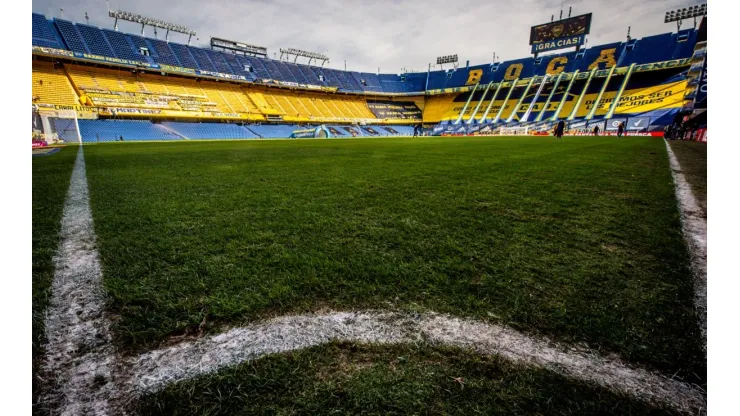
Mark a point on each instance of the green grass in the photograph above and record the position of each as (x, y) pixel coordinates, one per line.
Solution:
(692, 156)
(577, 239)
(401, 380)
(50, 177)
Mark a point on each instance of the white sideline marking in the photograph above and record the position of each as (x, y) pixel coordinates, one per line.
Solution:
(79, 353)
(155, 370)
(90, 379)
(695, 233)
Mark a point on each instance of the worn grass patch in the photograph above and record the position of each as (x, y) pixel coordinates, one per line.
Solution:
(50, 177)
(577, 239)
(395, 380)
(692, 156)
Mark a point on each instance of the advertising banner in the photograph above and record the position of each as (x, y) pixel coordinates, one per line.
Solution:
(561, 34)
(561, 43)
(638, 123)
(613, 124)
(395, 109)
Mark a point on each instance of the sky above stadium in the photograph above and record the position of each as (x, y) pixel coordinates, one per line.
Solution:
(385, 34)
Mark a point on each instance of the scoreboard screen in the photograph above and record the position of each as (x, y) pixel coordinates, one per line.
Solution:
(570, 27)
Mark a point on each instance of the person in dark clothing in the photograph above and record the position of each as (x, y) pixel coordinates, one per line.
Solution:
(559, 129)
(620, 129)
(596, 130)
(121, 138)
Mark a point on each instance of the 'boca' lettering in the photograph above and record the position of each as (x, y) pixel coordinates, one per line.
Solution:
(607, 57)
(556, 65)
(513, 72)
(474, 76)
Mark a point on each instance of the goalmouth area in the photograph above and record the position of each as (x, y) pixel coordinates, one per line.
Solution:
(507, 275)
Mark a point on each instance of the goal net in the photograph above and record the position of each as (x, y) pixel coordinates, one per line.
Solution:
(55, 125)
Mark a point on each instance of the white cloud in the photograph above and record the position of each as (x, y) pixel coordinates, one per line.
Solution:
(390, 34)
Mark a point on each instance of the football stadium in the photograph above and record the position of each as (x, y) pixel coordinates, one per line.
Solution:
(219, 228)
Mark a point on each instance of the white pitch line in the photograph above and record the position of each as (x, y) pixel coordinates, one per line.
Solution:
(695, 233)
(79, 355)
(155, 370)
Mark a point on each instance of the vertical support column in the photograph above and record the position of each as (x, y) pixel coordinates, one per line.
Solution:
(549, 98)
(521, 99)
(583, 94)
(601, 94)
(525, 117)
(472, 92)
(488, 109)
(565, 97)
(614, 105)
(477, 107)
(506, 100)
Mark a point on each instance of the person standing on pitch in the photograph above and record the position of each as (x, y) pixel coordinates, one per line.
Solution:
(559, 129)
(620, 129)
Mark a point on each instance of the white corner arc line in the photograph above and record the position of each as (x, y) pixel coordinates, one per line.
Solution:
(79, 354)
(154, 370)
(695, 233)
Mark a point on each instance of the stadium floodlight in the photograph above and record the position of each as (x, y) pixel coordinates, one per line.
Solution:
(310, 55)
(681, 14)
(447, 59)
(146, 21)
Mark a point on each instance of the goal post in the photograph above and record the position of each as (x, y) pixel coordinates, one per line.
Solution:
(57, 125)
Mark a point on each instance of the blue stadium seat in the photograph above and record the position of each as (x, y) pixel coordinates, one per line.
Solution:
(122, 45)
(96, 42)
(219, 62)
(274, 131)
(139, 42)
(202, 59)
(42, 32)
(71, 36)
(258, 69)
(162, 53)
(182, 53)
(131, 130)
(237, 66)
(211, 130)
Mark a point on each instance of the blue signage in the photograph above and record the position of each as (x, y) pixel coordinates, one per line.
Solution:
(560, 43)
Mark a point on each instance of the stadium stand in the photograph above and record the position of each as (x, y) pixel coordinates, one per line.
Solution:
(71, 36)
(95, 40)
(42, 32)
(269, 131)
(210, 130)
(130, 130)
(308, 92)
(51, 86)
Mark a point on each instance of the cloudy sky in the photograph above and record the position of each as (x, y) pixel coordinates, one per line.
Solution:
(390, 34)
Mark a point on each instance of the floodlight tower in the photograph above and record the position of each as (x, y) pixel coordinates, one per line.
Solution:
(679, 15)
(447, 60)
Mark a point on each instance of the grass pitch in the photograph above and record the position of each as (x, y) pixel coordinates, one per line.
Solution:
(576, 239)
